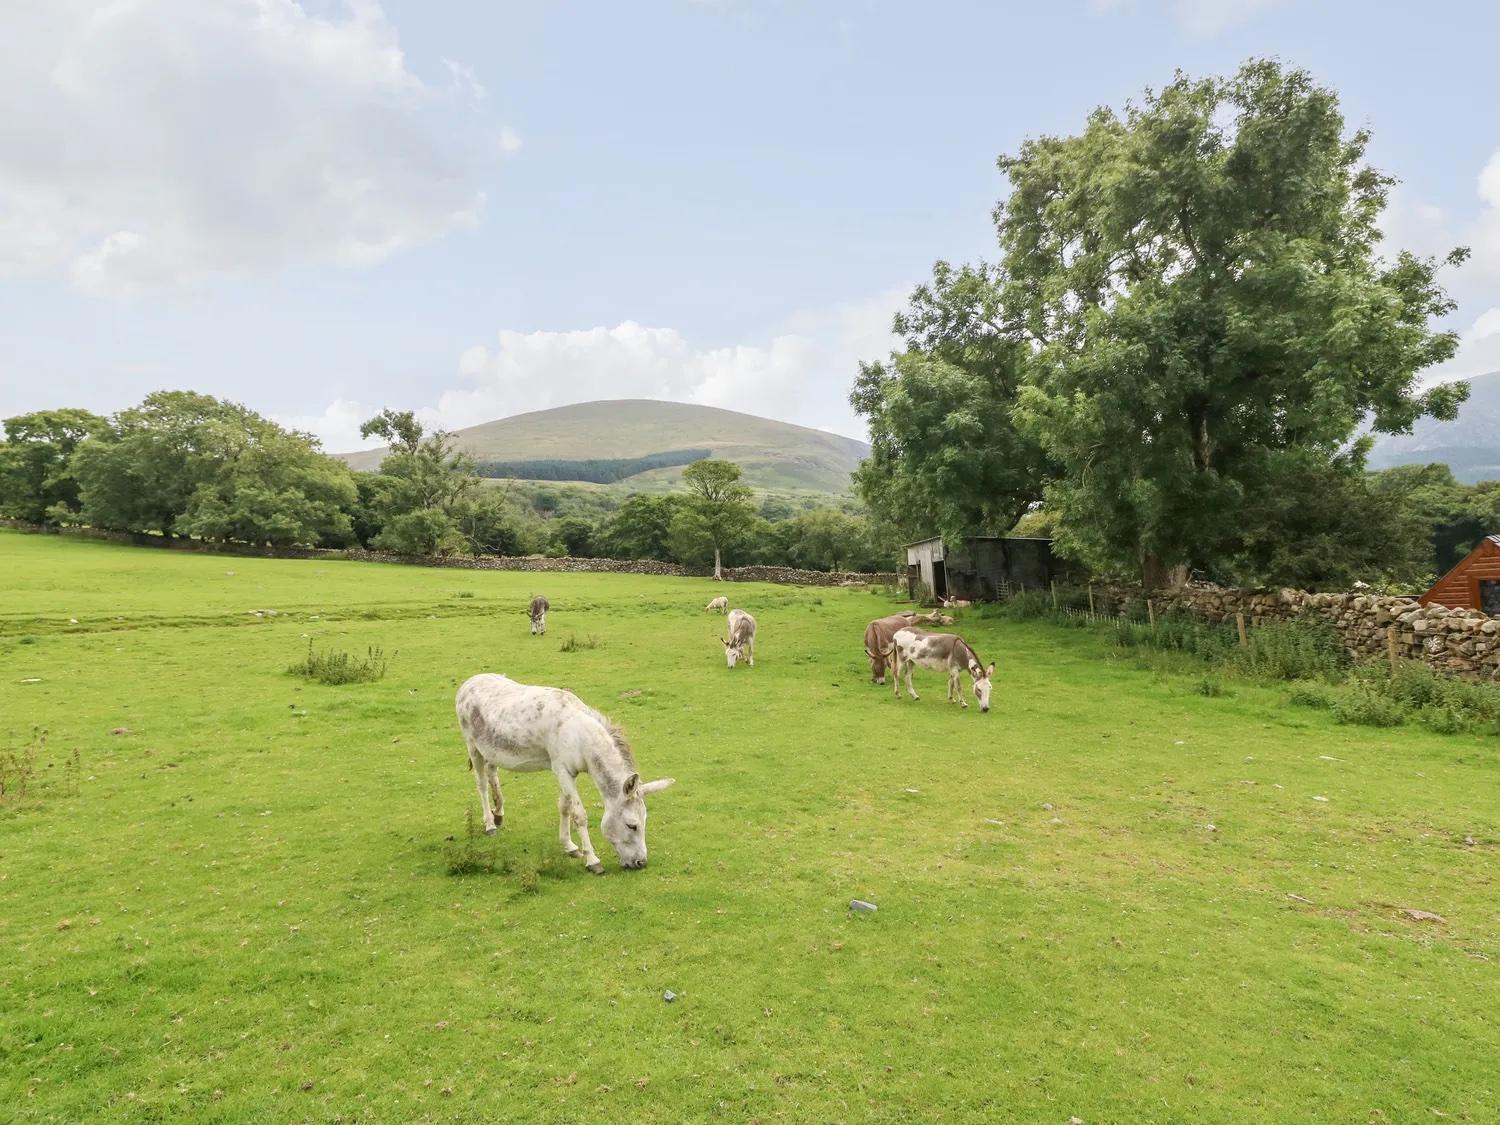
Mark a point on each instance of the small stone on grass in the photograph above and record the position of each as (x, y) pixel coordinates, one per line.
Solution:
(860, 906)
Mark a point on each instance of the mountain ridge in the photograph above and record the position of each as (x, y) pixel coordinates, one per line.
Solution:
(1469, 445)
(773, 454)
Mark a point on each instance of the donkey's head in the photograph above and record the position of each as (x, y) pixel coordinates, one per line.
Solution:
(983, 677)
(732, 651)
(624, 821)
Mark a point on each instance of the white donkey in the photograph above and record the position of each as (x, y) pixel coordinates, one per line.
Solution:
(939, 652)
(718, 605)
(538, 612)
(741, 640)
(526, 729)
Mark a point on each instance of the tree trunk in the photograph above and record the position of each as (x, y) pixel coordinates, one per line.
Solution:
(718, 570)
(1157, 575)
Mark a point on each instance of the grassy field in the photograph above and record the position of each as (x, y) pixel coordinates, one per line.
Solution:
(1110, 898)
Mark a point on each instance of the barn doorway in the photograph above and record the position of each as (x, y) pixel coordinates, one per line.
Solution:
(1489, 596)
(939, 580)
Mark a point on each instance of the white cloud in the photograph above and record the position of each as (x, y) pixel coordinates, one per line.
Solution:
(801, 373)
(148, 142)
(1478, 349)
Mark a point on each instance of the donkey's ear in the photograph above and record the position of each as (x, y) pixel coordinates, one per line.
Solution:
(990, 671)
(657, 786)
(632, 783)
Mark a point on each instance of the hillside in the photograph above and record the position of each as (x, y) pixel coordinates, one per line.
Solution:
(1469, 445)
(773, 454)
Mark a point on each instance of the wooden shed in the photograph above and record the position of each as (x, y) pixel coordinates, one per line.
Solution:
(981, 567)
(1474, 583)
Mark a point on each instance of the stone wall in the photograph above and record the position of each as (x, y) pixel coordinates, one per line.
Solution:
(788, 576)
(1464, 642)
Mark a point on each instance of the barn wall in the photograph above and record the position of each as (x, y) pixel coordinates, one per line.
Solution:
(1459, 588)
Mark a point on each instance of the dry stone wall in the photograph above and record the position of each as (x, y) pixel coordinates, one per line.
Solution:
(1464, 642)
(778, 574)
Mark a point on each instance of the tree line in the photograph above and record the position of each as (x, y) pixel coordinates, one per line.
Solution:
(1179, 354)
(187, 464)
(598, 470)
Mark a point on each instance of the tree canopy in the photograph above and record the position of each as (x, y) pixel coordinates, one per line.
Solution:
(36, 474)
(718, 506)
(1190, 317)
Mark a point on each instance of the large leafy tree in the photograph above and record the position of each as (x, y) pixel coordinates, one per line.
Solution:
(141, 474)
(273, 486)
(36, 475)
(641, 528)
(946, 454)
(186, 463)
(427, 487)
(1201, 291)
(718, 507)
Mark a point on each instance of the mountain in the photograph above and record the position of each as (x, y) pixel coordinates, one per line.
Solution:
(1469, 445)
(773, 454)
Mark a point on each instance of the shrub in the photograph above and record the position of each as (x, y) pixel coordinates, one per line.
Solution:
(1360, 705)
(337, 667)
(1309, 695)
(1208, 685)
(1300, 649)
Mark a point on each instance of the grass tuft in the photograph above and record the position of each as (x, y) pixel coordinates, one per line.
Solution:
(574, 644)
(334, 666)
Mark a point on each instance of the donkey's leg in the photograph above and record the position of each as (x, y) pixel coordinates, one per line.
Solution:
(911, 691)
(578, 814)
(481, 770)
(956, 688)
(752, 652)
(565, 824)
(497, 798)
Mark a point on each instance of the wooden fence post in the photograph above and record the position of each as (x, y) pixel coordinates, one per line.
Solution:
(1091, 601)
(1239, 621)
(1054, 597)
(1390, 647)
(1150, 613)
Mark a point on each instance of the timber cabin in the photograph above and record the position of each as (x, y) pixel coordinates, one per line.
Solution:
(1474, 583)
(981, 568)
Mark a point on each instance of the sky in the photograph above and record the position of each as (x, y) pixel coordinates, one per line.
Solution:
(471, 210)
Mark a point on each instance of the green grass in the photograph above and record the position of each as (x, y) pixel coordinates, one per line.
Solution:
(265, 901)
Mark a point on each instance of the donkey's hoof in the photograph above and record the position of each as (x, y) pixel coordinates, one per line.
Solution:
(489, 831)
(596, 868)
(573, 853)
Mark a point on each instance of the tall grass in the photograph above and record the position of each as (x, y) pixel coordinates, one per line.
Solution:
(1305, 652)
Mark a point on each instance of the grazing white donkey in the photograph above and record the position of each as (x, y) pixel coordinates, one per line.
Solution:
(940, 652)
(718, 605)
(538, 611)
(741, 640)
(526, 729)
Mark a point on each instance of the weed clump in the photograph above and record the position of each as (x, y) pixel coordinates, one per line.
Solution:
(334, 666)
(473, 853)
(573, 644)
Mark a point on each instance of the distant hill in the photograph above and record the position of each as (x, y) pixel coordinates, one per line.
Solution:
(1469, 445)
(774, 455)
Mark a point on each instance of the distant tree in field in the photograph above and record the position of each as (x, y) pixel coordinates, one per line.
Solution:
(1326, 526)
(1200, 290)
(36, 476)
(426, 485)
(1455, 514)
(489, 524)
(946, 453)
(826, 540)
(641, 527)
(191, 464)
(718, 504)
(576, 535)
(272, 486)
(140, 473)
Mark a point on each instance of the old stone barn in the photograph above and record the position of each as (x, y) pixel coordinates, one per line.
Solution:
(981, 567)
(1474, 583)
